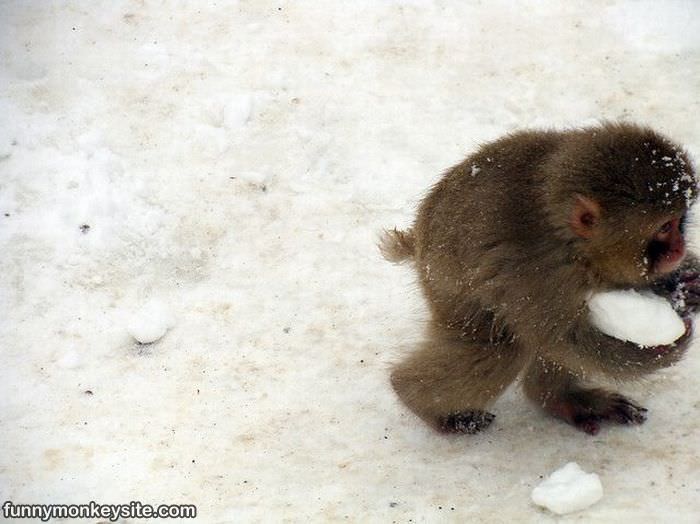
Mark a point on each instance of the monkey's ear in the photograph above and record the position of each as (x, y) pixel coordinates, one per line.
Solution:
(585, 216)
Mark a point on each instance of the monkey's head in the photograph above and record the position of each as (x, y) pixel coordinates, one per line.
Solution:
(627, 192)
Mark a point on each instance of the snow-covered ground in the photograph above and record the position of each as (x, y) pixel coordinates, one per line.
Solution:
(222, 170)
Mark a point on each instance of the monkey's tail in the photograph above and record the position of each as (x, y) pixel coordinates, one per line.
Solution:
(397, 246)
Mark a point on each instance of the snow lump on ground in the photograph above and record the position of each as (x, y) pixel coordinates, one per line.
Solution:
(568, 489)
(150, 322)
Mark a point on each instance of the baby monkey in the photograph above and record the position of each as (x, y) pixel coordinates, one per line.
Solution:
(509, 245)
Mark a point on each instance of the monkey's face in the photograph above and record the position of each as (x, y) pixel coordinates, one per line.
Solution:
(629, 247)
(628, 191)
(666, 248)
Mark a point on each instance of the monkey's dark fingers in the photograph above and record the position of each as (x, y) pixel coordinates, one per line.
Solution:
(624, 411)
(689, 284)
(691, 297)
(689, 276)
(691, 290)
(468, 422)
(587, 409)
(687, 296)
(689, 287)
(626, 403)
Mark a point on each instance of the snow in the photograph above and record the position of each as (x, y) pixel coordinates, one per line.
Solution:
(235, 161)
(640, 317)
(151, 321)
(568, 489)
(69, 360)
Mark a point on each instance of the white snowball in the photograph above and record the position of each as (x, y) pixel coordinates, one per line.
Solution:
(643, 318)
(237, 111)
(70, 360)
(568, 489)
(150, 322)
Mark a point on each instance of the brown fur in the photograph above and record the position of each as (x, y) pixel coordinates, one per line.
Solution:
(397, 246)
(506, 276)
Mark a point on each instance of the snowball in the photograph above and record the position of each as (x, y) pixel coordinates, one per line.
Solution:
(69, 360)
(237, 111)
(568, 489)
(643, 318)
(150, 323)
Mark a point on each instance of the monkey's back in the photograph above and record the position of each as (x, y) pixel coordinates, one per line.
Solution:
(480, 225)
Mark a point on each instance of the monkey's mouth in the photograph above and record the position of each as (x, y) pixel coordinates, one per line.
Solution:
(667, 260)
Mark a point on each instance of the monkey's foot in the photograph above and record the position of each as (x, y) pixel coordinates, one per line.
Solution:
(588, 408)
(467, 422)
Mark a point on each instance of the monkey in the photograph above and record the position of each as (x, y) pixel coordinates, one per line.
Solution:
(509, 244)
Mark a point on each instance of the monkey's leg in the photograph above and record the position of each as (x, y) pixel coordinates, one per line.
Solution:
(451, 380)
(559, 392)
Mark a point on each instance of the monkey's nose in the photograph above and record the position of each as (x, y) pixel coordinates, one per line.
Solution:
(671, 260)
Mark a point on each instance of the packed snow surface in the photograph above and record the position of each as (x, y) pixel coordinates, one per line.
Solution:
(568, 489)
(235, 160)
(640, 317)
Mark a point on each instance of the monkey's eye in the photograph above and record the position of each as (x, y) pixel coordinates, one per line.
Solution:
(666, 228)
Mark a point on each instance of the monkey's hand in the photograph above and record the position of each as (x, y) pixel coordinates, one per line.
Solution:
(686, 296)
(682, 287)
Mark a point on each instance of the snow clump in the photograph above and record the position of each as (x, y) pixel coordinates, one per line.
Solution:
(640, 317)
(568, 489)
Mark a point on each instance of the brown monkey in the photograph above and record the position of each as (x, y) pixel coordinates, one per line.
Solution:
(509, 244)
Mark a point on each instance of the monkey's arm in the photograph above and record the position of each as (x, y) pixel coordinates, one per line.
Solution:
(597, 351)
